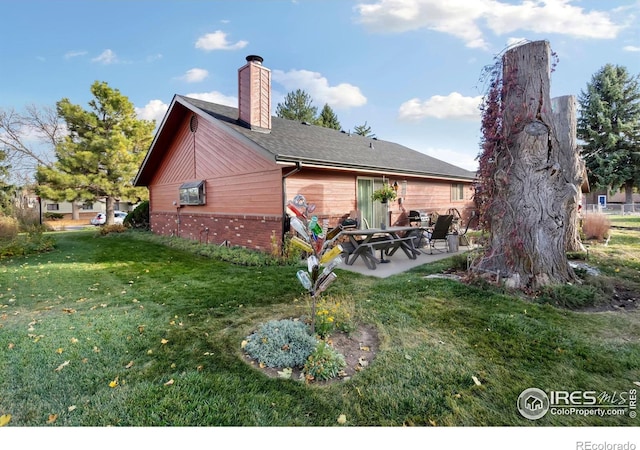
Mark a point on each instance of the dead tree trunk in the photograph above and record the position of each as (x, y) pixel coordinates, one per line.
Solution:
(564, 113)
(529, 208)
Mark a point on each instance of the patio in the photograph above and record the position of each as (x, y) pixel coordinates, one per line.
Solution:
(398, 263)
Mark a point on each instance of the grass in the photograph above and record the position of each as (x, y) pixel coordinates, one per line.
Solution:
(163, 326)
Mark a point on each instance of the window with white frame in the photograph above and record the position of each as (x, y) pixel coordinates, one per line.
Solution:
(53, 207)
(457, 192)
(193, 193)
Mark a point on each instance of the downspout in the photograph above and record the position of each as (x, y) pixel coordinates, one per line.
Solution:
(297, 169)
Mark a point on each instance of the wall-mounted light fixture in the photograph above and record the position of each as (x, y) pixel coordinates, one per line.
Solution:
(395, 186)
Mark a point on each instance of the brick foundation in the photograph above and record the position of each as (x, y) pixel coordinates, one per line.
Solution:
(249, 231)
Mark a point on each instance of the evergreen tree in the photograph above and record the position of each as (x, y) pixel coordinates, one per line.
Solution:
(609, 125)
(102, 152)
(364, 130)
(297, 106)
(328, 118)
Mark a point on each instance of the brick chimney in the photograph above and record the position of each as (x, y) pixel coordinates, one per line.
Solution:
(254, 95)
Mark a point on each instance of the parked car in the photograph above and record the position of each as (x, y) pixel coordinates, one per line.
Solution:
(118, 217)
(101, 218)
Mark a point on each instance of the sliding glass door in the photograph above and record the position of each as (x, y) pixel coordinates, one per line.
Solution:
(373, 213)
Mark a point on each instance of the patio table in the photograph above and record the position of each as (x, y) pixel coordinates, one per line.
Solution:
(387, 240)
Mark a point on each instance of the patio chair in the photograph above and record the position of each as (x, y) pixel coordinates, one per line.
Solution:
(440, 232)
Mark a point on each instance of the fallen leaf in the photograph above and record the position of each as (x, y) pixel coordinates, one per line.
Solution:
(5, 419)
(407, 357)
(285, 373)
(96, 349)
(262, 365)
(637, 383)
(476, 381)
(68, 310)
(433, 423)
(342, 419)
(59, 351)
(199, 368)
(363, 362)
(169, 383)
(243, 344)
(11, 345)
(113, 383)
(74, 340)
(59, 368)
(364, 348)
(52, 418)
(71, 408)
(129, 366)
(164, 341)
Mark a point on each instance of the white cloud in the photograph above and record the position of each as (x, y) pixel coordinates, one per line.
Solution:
(463, 18)
(455, 17)
(194, 75)
(343, 95)
(550, 16)
(452, 106)
(106, 57)
(154, 110)
(74, 54)
(218, 41)
(215, 97)
(631, 48)
(466, 160)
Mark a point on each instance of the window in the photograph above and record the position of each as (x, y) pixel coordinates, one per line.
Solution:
(87, 206)
(457, 192)
(192, 193)
(53, 207)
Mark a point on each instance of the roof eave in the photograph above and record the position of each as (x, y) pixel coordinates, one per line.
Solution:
(365, 168)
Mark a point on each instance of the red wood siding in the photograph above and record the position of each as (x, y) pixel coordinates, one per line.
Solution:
(243, 189)
(238, 180)
(334, 194)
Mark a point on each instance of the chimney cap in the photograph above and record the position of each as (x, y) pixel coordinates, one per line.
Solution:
(255, 58)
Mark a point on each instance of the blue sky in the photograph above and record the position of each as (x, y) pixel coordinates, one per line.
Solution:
(409, 68)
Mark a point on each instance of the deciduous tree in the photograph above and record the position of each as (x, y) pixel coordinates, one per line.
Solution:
(102, 152)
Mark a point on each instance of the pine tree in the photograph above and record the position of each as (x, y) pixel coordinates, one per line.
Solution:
(364, 130)
(328, 118)
(102, 152)
(609, 125)
(297, 106)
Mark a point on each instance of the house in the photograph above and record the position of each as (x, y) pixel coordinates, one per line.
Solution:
(221, 174)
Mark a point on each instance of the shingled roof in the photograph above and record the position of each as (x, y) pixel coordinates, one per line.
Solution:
(298, 142)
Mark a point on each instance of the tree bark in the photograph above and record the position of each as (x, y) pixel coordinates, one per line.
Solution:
(564, 114)
(531, 202)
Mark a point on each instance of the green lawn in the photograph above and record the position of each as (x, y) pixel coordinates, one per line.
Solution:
(122, 330)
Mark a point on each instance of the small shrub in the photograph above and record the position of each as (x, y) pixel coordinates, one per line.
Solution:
(281, 343)
(334, 314)
(53, 216)
(9, 227)
(139, 218)
(324, 363)
(114, 228)
(596, 226)
(34, 241)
